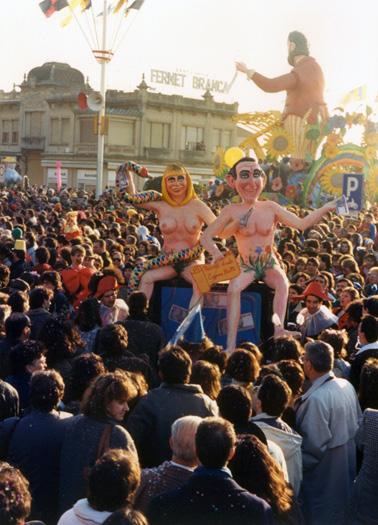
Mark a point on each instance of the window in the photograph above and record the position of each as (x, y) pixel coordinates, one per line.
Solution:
(6, 131)
(33, 123)
(122, 132)
(14, 138)
(192, 139)
(159, 135)
(86, 131)
(66, 131)
(54, 131)
(221, 138)
(226, 138)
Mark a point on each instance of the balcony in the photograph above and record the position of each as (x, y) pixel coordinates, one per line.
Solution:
(114, 149)
(33, 143)
(194, 152)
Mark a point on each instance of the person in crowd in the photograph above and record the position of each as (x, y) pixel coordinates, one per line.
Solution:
(211, 495)
(60, 305)
(112, 308)
(363, 505)
(76, 277)
(315, 317)
(368, 341)
(292, 373)
(97, 428)
(42, 258)
(85, 368)
(145, 337)
(242, 369)
(15, 498)
(272, 399)
(25, 358)
(370, 305)
(19, 302)
(9, 401)
(174, 473)
(35, 444)
(208, 376)
(40, 300)
(287, 347)
(155, 412)
(112, 484)
(254, 469)
(88, 322)
(368, 390)
(327, 418)
(17, 330)
(338, 340)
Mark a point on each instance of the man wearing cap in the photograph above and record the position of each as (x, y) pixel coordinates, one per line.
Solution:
(112, 309)
(18, 266)
(315, 317)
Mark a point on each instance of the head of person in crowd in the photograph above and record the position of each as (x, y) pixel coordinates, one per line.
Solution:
(345, 247)
(368, 330)
(85, 368)
(372, 281)
(242, 367)
(17, 327)
(292, 373)
(208, 376)
(347, 295)
(301, 279)
(4, 276)
(273, 396)
(46, 390)
(61, 340)
(314, 297)
(368, 389)
(112, 340)
(88, 315)
(40, 297)
(369, 261)
(235, 404)
(26, 358)
(175, 366)
(19, 302)
(287, 347)
(349, 266)
(182, 440)
(317, 360)
(138, 305)
(354, 312)
(126, 516)
(5, 312)
(216, 356)
(15, 498)
(251, 347)
(107, 397)
(113, 481)
(300, 264)
(325, 262)
(215, 442)
(337, 339)
(52, 281)
(106, 289)
(77, 256)
(370, 305)
(255, 469)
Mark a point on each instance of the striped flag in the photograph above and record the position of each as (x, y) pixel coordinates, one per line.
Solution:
(49, 7)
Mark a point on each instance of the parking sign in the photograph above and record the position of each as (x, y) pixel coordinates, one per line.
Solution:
(353, 189)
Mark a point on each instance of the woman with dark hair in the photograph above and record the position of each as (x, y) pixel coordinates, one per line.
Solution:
(85, 368)
(19, 302)
(60, 305)
(61, 340)
(286, 347)
(368, 389)
(255, 470)
(354, 312)
(243, 369)
(88, 322)
(98, 428)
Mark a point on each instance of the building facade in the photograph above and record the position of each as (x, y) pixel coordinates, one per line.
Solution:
(41, 123)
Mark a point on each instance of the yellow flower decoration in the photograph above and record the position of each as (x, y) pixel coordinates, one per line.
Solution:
(371, 139)
(372, 182)
(279, 144)
(334, 139)
(219, 166)
(371, 153)
(331, 180)
(330, 151)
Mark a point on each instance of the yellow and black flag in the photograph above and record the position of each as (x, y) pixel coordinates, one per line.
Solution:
(49, 7)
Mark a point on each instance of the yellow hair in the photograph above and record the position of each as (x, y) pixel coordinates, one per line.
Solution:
(175, 170)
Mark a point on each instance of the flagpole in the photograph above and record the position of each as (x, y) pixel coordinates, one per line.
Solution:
(103, 56)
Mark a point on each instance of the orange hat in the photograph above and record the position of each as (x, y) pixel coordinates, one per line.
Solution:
(316, 289)
(107, 283)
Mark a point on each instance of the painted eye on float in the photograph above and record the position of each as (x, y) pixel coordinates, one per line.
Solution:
(257, 173)
(244, 174)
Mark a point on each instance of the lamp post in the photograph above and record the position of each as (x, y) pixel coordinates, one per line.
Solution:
(103, 56)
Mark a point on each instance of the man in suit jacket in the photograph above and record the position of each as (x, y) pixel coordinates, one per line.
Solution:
(368, 338)
(211, 495)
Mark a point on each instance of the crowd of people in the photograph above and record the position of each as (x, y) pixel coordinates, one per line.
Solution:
(102, 423)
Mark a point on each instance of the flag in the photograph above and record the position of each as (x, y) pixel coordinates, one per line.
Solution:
(197, 332)
(137, 4)
(356, 95)
(119, 5)
(58, 171)
(85, 4)
(49, 7)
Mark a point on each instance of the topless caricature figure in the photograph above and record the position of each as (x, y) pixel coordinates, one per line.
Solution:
(181, 217)
(253, 223)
